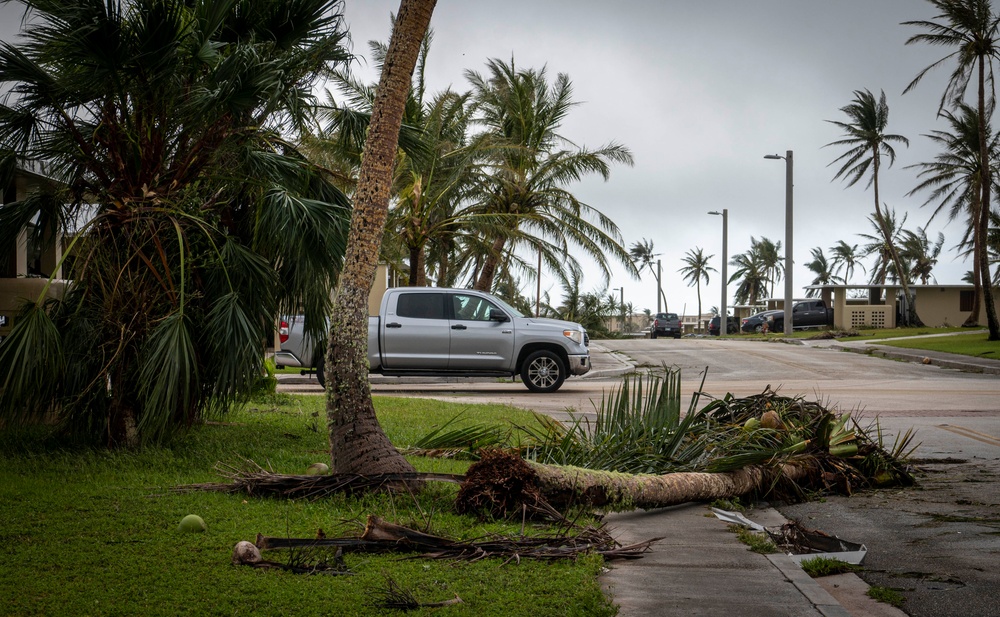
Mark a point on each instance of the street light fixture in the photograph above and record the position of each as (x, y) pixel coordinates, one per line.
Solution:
(788, 237)
(723, 309)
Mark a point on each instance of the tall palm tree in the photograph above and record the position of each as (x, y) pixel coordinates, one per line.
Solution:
(167, 124)
(644, 258)
(823, 269)
(953, 180)
(524, 187)
(769, 253)
(695, 270)
(845, 258)
(357, 442)
(867, 142)
(751, 273)
(971, 29)
(921, 254)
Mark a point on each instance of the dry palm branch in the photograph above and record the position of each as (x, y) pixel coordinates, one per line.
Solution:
(381, 536)
(256, 481)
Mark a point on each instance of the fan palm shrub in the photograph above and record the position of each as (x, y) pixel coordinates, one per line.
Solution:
(166, 125)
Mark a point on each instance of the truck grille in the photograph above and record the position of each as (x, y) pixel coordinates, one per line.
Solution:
(586, 340)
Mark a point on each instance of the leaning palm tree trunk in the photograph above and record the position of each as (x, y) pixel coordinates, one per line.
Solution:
(357, 442)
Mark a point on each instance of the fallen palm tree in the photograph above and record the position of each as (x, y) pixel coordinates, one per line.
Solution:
(641, 452)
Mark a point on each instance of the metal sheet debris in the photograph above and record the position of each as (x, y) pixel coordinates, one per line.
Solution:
(800, 543)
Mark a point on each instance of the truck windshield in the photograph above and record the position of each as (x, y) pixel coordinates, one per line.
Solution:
(510, 309)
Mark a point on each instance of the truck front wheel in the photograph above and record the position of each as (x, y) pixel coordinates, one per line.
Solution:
(543, 371)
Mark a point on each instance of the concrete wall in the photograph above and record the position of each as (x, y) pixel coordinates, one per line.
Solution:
(941, 306)
(16, 292)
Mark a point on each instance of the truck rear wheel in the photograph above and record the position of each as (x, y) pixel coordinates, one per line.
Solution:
(321, 369)
(543, 371)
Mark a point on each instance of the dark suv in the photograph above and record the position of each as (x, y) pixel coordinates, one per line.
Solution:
(666, 324)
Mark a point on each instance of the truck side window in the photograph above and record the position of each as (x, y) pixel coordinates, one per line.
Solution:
(471, 308)
(421, 305)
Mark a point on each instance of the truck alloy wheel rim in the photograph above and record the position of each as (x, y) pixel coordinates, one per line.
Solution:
(543, 372)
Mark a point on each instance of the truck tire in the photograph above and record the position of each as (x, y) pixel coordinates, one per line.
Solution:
(652, 334)
(543, 371)
(321, 369)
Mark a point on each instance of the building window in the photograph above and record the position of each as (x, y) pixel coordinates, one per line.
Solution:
(966, 298)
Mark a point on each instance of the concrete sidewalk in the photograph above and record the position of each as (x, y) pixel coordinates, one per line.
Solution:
(701, 568)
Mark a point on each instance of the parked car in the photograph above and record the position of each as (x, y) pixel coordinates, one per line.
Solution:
(666, 324)
(733, 325)
(805, 314)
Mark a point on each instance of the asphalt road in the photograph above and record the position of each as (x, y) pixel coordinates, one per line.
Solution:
(938, 544)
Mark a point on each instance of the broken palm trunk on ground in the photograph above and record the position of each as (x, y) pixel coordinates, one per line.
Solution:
(488, 489)
(641, 452)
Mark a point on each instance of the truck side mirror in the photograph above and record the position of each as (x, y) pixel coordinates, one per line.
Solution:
(498, 315)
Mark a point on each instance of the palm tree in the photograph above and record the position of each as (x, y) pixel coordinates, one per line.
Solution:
(971, 29)
(695, 271)
(867, 142)
(643, 256)
(884, 268)
(167, 124)
(845, 258)
(751, 272)
(523, 188)
(823, 270)
(770, 256)
(953, 180)
(357, 442)
(921, 254)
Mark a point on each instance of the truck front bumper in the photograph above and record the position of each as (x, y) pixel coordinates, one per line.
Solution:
(579, 364)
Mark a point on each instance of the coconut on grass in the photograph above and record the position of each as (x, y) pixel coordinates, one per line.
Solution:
(318, 469)
(192, 523)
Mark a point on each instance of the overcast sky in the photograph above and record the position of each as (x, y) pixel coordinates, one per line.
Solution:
(700, 92)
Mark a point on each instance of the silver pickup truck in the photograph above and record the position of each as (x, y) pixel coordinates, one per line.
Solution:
(456, 332)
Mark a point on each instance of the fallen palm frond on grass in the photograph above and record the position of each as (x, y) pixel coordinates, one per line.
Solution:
(395, 596)
(381, 536)
(254, 480)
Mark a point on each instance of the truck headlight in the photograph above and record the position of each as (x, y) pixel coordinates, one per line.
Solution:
(574, 335)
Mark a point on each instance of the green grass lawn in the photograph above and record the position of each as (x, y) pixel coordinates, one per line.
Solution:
(92, 532)
(972, 344)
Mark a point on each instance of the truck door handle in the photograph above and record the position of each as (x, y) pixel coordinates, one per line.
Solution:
(394, 325)
(459, 326)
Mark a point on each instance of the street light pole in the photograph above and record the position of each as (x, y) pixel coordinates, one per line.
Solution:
(788, 237)
(659, 285)
(723, 309)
